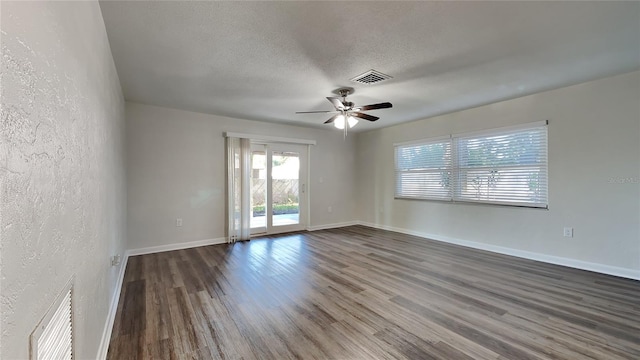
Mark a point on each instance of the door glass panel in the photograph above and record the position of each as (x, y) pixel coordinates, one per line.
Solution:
(285, 175)
(258, 189)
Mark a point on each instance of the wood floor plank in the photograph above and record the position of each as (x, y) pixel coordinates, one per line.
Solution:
(363, 293)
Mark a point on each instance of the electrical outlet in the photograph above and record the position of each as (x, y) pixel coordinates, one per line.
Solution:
(329, 209)
(115, 260)
(179, 222)
(568, 232)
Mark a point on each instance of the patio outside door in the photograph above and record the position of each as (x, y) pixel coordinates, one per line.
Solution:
(278, 188)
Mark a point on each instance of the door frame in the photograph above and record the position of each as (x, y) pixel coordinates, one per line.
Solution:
(303, 186)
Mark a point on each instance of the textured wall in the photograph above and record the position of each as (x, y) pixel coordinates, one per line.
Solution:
(176, 169)
(62, 169)
(594, 176)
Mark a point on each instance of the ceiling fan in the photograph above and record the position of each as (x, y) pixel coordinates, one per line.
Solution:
(347, 112)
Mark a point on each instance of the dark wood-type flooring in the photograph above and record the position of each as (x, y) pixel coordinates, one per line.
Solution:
(362, 293)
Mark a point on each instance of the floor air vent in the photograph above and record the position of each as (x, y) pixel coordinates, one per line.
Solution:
(53, 338)
(371, 77)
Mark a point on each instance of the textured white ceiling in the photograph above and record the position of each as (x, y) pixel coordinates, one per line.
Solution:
(266, 60)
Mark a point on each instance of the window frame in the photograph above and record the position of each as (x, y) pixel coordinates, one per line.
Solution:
(456, 170)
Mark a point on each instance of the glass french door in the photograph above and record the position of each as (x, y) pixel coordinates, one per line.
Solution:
(278, 188)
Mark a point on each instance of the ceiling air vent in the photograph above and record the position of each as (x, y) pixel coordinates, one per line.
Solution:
(371, 77)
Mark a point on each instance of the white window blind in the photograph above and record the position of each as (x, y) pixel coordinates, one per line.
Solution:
(423, 171)
(504, 166)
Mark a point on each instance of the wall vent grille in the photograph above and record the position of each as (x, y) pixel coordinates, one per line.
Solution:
(371, 77)
(53, 338)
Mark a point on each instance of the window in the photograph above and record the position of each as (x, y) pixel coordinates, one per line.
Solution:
(424, 170)
(505, 166)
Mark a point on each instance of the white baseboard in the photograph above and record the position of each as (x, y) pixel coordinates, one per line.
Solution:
(177, 246)
(331, 226)
(111, 315)
(557, 260)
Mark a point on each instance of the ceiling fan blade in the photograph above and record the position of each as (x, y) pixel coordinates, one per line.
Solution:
(364, 116)
(315, 112)
(384, 105)
(336, 102)
(332, 119)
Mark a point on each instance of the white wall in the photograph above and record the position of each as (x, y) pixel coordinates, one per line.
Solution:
(176, 169)
(62, 209)
(594, 136)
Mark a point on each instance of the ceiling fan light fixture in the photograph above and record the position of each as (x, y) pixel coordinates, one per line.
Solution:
(346, 113)
(340, 122)
(352, 121)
